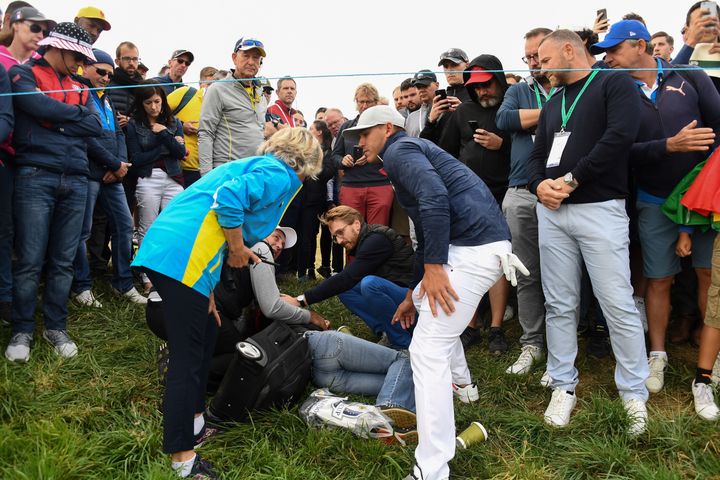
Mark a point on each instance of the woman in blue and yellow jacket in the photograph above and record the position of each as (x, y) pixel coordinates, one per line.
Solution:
(236, 204)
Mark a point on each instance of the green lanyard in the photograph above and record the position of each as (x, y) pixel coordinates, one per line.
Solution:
(566, 115)
(537, 95)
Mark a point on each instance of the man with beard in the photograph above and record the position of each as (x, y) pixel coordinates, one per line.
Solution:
(472, 136)
(408, 92)
(519, 115)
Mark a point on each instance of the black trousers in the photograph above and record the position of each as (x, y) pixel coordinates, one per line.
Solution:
(307, 239)
(191, 335)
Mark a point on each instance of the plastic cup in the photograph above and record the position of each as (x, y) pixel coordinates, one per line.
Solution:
(475, 433)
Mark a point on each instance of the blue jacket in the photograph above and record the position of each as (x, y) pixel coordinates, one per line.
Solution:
(144, 148)
(681, 97)
(7, 118)
(107, 151)
(447, 202)
(186, 242)
(51, 129)
(520, 96)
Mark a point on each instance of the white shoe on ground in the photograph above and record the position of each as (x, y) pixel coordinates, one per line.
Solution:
(87, 299)
(528, 356)
(133, 296)
(637, 412)
(18, 350)
(705, 405)
(656, 378)
(467, 394)
(560, 407)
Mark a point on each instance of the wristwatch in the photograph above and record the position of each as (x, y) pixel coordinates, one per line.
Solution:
(301, 300)
(570, 181)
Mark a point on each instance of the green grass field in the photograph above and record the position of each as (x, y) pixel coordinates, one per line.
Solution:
(96, 416)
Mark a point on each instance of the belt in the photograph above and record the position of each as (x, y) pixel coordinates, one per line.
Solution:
(520, 187)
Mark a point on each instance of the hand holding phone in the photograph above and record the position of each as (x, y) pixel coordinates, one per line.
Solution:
(357, 152)
(711, 7)
(473, 125)
(441, 93)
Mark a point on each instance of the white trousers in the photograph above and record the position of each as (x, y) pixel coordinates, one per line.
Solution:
(437, 355)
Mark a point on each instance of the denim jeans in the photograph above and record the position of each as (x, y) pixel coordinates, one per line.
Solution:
(111, 198)
(6, 232)
(375, 300)
(348, 364)
(598, 234)
(49, 209)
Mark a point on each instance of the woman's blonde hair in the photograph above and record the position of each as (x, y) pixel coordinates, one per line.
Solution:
(297, 148)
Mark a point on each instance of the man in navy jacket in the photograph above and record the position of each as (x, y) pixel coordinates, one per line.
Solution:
(463, 245)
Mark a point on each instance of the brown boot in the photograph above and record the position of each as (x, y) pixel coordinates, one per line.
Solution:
(680, 330)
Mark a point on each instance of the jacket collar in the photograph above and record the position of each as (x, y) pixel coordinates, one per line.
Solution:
(392, 140)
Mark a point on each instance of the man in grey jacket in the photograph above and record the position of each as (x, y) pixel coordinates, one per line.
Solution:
(233, 111)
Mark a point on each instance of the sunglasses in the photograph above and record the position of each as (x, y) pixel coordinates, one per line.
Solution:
(249, 43)
(37, 28)
(487, 84)
(104, 73)
(182, 61)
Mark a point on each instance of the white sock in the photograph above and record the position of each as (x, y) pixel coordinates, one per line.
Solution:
(183, 468)
(659, 354)
(198, 424)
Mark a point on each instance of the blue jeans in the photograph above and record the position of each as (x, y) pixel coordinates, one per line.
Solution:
(598, 234)
(111, 197)
(49, 209)
(375, 300)
(348, 364)
(6, 232)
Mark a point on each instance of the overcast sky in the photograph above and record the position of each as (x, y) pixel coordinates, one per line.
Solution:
(381, 42)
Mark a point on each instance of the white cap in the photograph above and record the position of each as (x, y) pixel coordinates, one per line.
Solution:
(290, 236)
(377, 115)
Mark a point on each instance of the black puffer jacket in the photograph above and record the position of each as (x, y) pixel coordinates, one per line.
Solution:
(122, 98)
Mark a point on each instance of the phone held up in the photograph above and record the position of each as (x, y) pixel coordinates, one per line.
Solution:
(357, 152)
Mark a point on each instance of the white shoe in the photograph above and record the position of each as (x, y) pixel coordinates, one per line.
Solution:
(705, 405)
(64, 346)
(528, 356)
(546, 381)
(133, 296)
(18, 350)
(637, 412)
(467, 394)
(560, 407)
(656, 378)
(87, 299)
(715, 378)
(640, 305)
(509, 313)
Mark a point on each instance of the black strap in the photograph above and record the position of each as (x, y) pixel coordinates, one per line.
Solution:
(185, 100)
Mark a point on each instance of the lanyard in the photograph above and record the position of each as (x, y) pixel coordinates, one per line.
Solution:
(566, 114)
(537, 95)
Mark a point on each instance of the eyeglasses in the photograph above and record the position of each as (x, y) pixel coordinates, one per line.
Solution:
(182, 61)
(249, 43)
(531, 58)
(339, 233)
(104, 73)
(130, 59)
(369, 103)
(36, 28)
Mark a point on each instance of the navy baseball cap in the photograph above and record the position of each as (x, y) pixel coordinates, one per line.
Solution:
(424, 78)
(619, 32)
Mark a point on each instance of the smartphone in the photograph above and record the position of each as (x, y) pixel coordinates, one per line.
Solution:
(602, 14)
(357, 152)
(712, 7)
(473, 125)
(442, 93)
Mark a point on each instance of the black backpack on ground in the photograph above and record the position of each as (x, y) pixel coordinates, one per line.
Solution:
(271, 368)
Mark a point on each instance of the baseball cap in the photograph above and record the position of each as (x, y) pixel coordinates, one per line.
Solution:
(455, 55)
(265, 84)
(32, 14)
(94, 13)
(424, 77)
(377, 115)
(479, 75)
(180, 52)
(101, 57)
(69, 36)
(619, 32)
(290, 236)
(247, 43)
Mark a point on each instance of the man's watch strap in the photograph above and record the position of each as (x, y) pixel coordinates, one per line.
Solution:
(301, 301)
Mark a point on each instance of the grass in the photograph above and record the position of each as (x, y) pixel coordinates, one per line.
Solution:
(96, 417)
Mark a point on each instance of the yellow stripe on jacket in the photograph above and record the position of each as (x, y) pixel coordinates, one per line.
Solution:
(208, 243)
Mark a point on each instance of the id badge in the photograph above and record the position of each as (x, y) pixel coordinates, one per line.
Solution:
(559, 142)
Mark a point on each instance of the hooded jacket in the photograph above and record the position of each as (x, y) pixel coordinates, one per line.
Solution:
(492, 166)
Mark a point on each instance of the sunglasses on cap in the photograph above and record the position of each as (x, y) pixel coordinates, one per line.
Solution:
(37, 28)
(249, 43)
(182, 61)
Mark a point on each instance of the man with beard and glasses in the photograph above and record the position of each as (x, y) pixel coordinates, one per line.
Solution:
(485, 149)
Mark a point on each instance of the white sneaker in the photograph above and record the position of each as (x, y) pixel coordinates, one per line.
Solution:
(18, 350)
(637, 412)
(64, 346)
(467, 394)
(133, 296)
(509, 313)
(656, 378)
(705, 405)
(715, 378)
(560, 407)
(87, 299)
(640, 305)
(546, 381)
(528, 356)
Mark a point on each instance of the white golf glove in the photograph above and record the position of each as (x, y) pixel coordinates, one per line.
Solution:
(510, 264)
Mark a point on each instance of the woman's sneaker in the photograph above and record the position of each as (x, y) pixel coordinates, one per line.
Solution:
(18, 350)
(467, 394)
(705, 405)
(132, 295)
(64, 346)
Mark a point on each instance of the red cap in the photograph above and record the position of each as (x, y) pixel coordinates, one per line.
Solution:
(479, 75)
